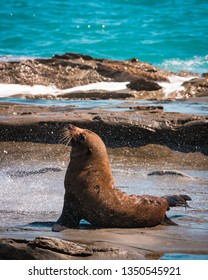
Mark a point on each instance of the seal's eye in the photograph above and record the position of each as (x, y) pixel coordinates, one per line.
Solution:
(82, 137)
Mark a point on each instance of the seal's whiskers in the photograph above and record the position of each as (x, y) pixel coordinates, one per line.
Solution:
(66, 137)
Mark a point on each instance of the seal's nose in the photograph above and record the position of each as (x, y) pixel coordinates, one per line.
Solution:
(71, 127)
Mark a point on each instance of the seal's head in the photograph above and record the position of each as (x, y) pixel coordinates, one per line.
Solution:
(83, 141)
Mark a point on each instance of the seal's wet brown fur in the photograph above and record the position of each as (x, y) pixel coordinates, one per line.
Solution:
(90, 193)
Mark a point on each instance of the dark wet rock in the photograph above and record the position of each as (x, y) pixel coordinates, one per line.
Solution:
(142, 84)
(95, 94)
(26, 113)
(133, 59)
(168, 172)
(128, 128)
(73, 56)
(51, 248)
(148, 108)
(22, 173)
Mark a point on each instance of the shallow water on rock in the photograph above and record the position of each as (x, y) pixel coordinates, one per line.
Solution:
(177, 256)
(34, 191)
(180, 106)
(34, 197)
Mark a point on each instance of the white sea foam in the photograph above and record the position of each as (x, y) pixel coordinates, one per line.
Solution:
(12, 58)
(175, 84)
(197, 64)
(9, 90)
(108, 86)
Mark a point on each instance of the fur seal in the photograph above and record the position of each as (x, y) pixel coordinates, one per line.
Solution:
(90, 193)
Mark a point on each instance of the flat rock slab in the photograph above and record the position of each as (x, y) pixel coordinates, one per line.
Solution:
(51, 248)
(94, 244)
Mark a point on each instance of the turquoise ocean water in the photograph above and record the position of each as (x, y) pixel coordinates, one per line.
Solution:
(172, 34)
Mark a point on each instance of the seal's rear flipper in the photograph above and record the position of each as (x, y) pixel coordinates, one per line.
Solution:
(168, 222)
(177, 200)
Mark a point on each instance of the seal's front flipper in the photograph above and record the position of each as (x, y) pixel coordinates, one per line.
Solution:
(70, 217)
(177, 200)
(168, 222)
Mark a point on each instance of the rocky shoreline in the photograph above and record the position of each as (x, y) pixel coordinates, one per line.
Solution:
(143, 134)
(127, 125)
(70, 70)
(133, 128)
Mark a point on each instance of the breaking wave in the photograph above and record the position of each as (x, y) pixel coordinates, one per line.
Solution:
(197, 64)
